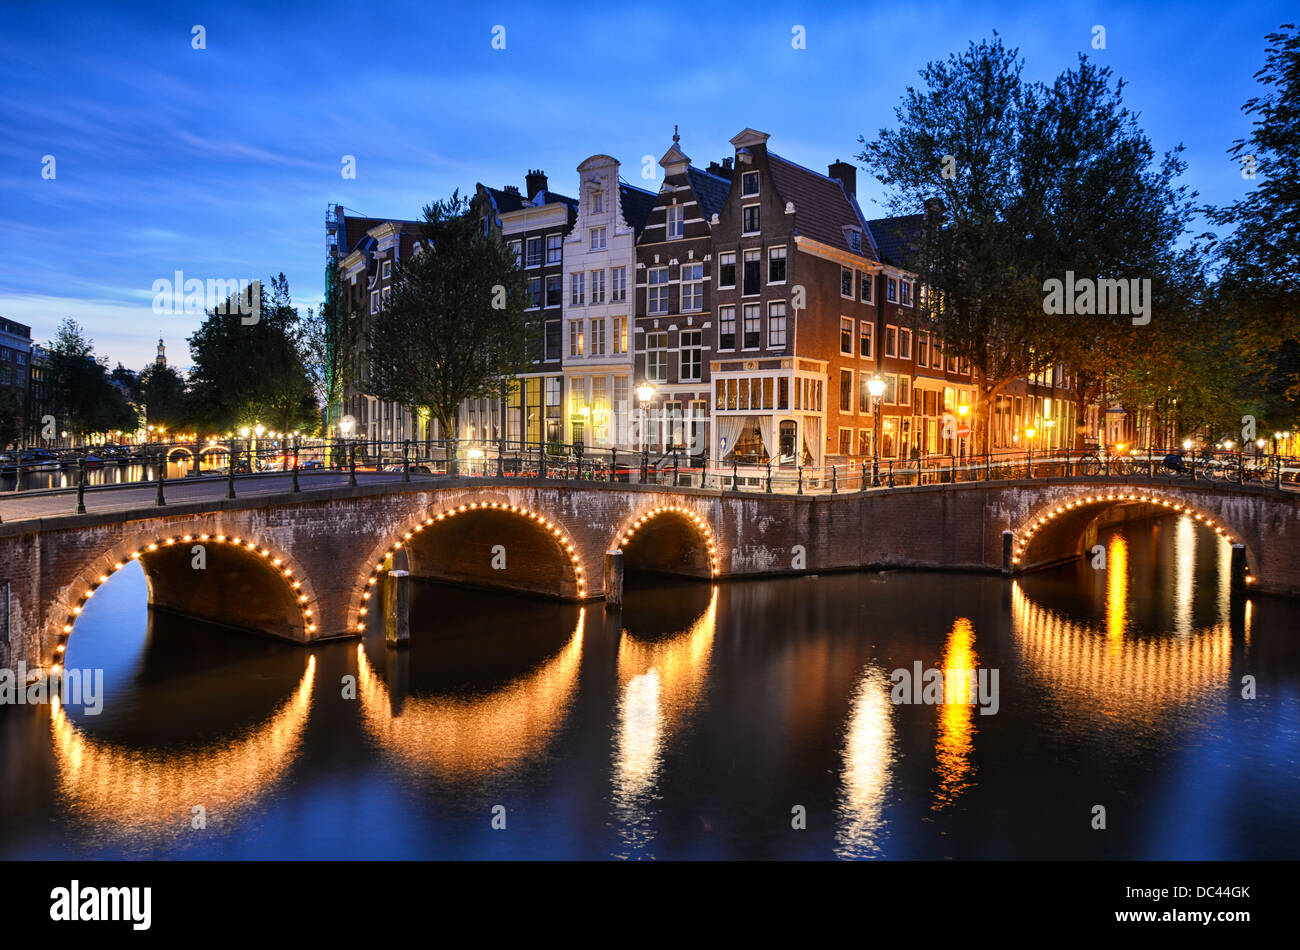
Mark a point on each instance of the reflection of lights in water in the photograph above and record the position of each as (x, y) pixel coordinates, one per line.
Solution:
(955, 742)
(868, 754)
(1116, 591)
(139, 792)
(659, 684)
(1184, 574)
(476, 735)
(1130, 680)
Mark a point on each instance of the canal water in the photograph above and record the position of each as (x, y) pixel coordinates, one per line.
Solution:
(742, 720)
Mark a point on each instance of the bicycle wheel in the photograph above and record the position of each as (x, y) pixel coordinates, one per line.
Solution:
(1089, 465)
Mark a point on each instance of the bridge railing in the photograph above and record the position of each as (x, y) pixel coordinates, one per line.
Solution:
(102, 467)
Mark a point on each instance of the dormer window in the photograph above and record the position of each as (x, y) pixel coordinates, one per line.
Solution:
(749, 183)
(676, 221)
(855, 241)
(597, 202)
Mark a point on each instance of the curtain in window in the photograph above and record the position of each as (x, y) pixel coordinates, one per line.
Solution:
(767, 431)
(812, 437)
(730, 428)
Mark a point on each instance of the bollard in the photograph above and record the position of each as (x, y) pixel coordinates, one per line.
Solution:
(81, 486)
(800, 480)
(406, 460)
(501, 458)
(541, 459)
(162, 475)
(352, 465)
(769, 476)
(295, 486)
(613, 464)
(863, 486)
(835, 486)
(230, 470)
(1008, 545)
(397, 604)
(734, 485)
(614, 578)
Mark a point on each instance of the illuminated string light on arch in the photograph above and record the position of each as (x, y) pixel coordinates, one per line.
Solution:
(686, 513)
(1022, 543)
(243, 544)
(545, 523)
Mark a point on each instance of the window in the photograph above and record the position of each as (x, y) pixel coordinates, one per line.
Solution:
(891, 290)
(598, 239)
(855, 241)
(692, 355)
(783, 393)
(656, 360)
(891, 341)
(577, 295)
(552, 340)
(384, 297)
(776, 265)
(374, 301)
(388, 269)
(864, 394)
(866, 339)
(534, 252)
(936, 354)
(598, 337)
(891, 389)
(727, 269)
(726, 328)
(676, 221)
(657, 295)
(904, 390)
(906, 291)
(752, 266)
(517, 248)
(923, 348)
(749, 217)
(753, 326)
(618, 284)
(575, 338)
(598, 286)
(554, 291)
(620, 335)
(846, 282)
(846, 441)
(692, 288)
(846, 390)
(864, 442)
(776, 324)
(749, 183)
(905, 343)
(554, 247)
(846, 336)
(867, 281)
(597, 202)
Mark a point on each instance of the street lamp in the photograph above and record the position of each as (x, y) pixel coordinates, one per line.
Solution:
(963, 411)
(875, 386)
(644, 393)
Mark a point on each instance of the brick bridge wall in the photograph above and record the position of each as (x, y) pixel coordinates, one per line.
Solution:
(302, 563)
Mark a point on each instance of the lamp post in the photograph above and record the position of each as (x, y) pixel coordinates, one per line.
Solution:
(258, 429)
(875, 386)
(345, 428)
(1029, 445)
(962, 412)
(644, 393)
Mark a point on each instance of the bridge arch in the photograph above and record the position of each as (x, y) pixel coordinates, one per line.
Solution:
(1056, 531)
(669, 539)
(245, 567)
(179, 448)
(424, 560)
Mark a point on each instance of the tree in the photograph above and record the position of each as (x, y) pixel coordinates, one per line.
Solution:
(1023, 183)
(454, 326)
(329, 337)
(246, 372)
(1259, 261)
(11, 416)
(83, 397)
(162, 392)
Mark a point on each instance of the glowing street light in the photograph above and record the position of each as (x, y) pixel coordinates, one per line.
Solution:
(875, 386)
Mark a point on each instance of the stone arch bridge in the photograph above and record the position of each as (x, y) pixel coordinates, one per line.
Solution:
(307, 566)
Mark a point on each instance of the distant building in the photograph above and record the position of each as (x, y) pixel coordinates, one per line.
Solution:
(39, 398)
(160, 360)
(15, 355)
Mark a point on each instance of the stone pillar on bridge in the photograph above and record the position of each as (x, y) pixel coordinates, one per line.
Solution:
(1237, 568)
(397, 603)
(614, 578)
(1008, 546)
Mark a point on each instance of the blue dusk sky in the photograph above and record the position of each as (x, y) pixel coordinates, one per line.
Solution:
(220, 162)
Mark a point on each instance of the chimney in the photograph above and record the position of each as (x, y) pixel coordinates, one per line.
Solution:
(512, 189)
(847, 174)
(535, 181)
(723, 170)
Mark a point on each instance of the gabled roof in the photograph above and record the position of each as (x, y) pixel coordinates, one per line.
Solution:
(636, 205)
(822, 208)
(710, 191)
(896, 237)
(504, 201)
